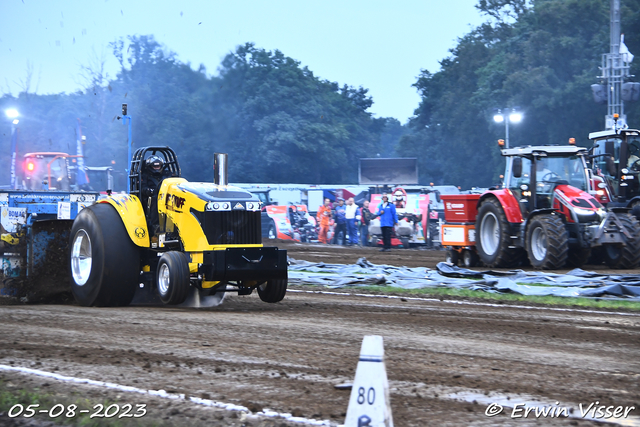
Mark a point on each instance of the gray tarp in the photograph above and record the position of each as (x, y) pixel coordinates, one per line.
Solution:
(575, 283)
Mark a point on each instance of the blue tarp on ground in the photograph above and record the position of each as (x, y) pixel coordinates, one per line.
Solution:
(575, 283)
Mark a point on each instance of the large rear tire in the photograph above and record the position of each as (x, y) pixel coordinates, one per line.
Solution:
(172, 277)
(273, 290)
(105, 263)
(547, 242)
(493, 237)
(627, 256)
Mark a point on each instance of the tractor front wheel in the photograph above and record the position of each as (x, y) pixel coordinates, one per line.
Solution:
(627, 256)
(273, 290)
(105, 263)
(172, 277)
(547, 242)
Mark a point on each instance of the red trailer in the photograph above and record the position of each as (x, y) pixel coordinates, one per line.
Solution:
(458, 233)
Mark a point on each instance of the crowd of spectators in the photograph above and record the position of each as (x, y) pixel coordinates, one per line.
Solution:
(353, 221)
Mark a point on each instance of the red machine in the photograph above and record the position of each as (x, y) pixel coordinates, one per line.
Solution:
(545, 213)
(458, 233)
(291, 222)
(413, 217)
(50, 170)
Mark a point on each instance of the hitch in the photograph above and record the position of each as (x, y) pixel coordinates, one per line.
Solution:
(603, 234)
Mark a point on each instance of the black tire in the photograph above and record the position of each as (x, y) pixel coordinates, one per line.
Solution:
(612, 255)
(273, 290)
(172, 278)
(635, 210)
(272, 233)
(578, 257)
(453, 257)
(405, 242)
(547, 242)
(493, 237)
(104, 262)
(597, 255)
(434, 235)
(627, 256)
(469, 258)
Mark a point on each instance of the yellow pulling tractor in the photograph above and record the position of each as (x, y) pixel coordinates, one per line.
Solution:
(173, 235)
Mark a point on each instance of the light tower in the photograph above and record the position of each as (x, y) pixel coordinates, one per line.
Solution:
(615, 69)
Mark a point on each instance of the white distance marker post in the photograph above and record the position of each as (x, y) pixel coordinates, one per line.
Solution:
(369, 405)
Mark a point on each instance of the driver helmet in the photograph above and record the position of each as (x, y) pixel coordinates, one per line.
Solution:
(155, 164)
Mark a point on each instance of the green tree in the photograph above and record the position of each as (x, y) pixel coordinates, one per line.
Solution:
(540, 56)
(283, 124)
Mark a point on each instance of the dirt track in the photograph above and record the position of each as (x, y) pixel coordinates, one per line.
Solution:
(288, 356)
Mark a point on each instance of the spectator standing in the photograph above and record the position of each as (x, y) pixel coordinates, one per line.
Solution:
(341, 221)
(365, 219)
(324, 217)
(388, 218)
(352, 215)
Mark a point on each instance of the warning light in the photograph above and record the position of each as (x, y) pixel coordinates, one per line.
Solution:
(30, 166)
(572, 141)
(501, 143)
(616, 116)
(113, 162)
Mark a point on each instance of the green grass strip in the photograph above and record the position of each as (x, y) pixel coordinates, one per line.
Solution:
(431, 292)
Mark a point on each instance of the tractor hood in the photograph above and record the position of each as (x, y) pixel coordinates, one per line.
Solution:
(216, 193)
(577, 205)
(215, 197)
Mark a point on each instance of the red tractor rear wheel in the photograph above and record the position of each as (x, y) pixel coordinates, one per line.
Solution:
(493, 237)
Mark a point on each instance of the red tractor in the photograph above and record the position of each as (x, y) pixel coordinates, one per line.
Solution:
(546, 211)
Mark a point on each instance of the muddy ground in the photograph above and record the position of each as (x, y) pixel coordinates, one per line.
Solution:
(446, 360)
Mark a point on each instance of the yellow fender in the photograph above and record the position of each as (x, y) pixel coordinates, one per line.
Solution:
(130, 209)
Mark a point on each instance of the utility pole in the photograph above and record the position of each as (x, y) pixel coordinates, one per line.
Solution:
(614, 70)
(126, 120)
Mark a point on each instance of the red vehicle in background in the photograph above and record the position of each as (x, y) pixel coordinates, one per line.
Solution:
(545, 213)
(46, 171)
(413, 218)
(291, 222)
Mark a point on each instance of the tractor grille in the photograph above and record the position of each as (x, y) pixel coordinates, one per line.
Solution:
(232, 227)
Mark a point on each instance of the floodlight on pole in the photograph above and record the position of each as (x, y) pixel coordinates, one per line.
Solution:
(12, 113)
(506, 117)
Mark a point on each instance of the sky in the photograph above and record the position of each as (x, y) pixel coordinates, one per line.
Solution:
(378, 45)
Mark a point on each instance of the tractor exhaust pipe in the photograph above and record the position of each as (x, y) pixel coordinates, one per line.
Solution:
(220, 169)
